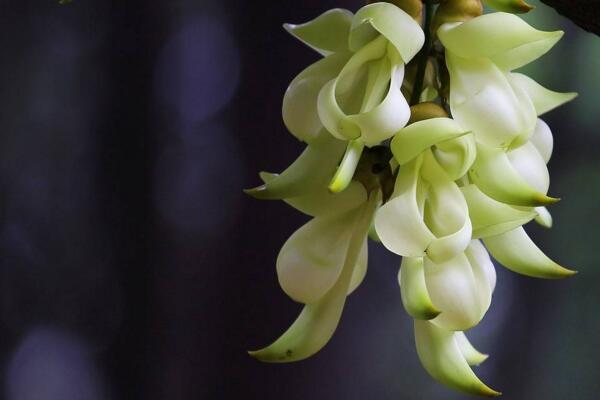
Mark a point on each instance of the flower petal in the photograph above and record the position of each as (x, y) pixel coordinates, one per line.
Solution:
(390, 21)
(328, 33)
(415, 297)
(300, 100)
(360, 270)
(311, 260)
(317, 322)
(311, 171)
(495, 176)
(490, 217)
(447, 216)
(543, 217)
(470, 353)
(389, 116)
(399, 222)
(454, 291)
(530, 165)
(412, 140)
(543, 99)
(504, 38)
(321, 201)
(330, 111)
(456, 156)
(484, 271)
(442, 357)
(483, 101)
(542, 140)
(517, 252)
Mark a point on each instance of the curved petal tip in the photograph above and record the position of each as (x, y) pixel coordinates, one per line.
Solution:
(542, 199)
(256, 192)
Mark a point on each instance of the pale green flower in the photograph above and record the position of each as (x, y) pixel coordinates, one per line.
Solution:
(444, 193)
(427, 214)
(480, 54)
(310, 273)
(447, 356)
(355, 91)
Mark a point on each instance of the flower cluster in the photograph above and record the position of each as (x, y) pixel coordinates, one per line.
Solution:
(442, 182)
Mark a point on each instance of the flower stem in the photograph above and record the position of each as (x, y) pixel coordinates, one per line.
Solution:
(423, 55)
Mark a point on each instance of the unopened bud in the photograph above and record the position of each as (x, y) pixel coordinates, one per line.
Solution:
(426, 110)
(456, 11)
(511, 6)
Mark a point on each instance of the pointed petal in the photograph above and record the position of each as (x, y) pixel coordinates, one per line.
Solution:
(328, 33)
(517, 252)
(530, 166)
(542, 140)
(415, 297)
(495, 176)
(441, 356)
(360, 270)
(543, 99)
(390, 21)
(300, 100)
(490, 217)
(504, 38)
(317, 322)
(543, 217)
(470, 353)
(483, 101)
(412, 140)
(312, 170)
(321, 201)
(399, 222)
(454, 291)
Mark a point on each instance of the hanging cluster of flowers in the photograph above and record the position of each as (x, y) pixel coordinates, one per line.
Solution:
(419, 136)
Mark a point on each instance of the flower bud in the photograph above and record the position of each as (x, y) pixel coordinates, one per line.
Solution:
(456, 11)
(511, 6)
(426, 110)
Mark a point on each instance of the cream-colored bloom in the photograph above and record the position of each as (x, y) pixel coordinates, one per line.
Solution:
(311, 274)
(355, 90)
(445, 193)
(480, 54)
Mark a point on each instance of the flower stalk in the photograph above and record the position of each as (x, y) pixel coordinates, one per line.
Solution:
(423, 55)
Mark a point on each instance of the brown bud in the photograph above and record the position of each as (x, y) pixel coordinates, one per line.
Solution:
(456, 11)
(511, 6)
(427, 110)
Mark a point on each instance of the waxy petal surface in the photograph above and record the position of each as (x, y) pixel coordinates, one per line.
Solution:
(328, 33)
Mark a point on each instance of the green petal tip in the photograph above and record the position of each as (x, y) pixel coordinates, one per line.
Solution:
(562, 272)
(481, 359)
(489, 392)
(544, 200)
(256, 192)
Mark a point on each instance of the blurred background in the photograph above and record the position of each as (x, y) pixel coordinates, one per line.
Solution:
(133, 267)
